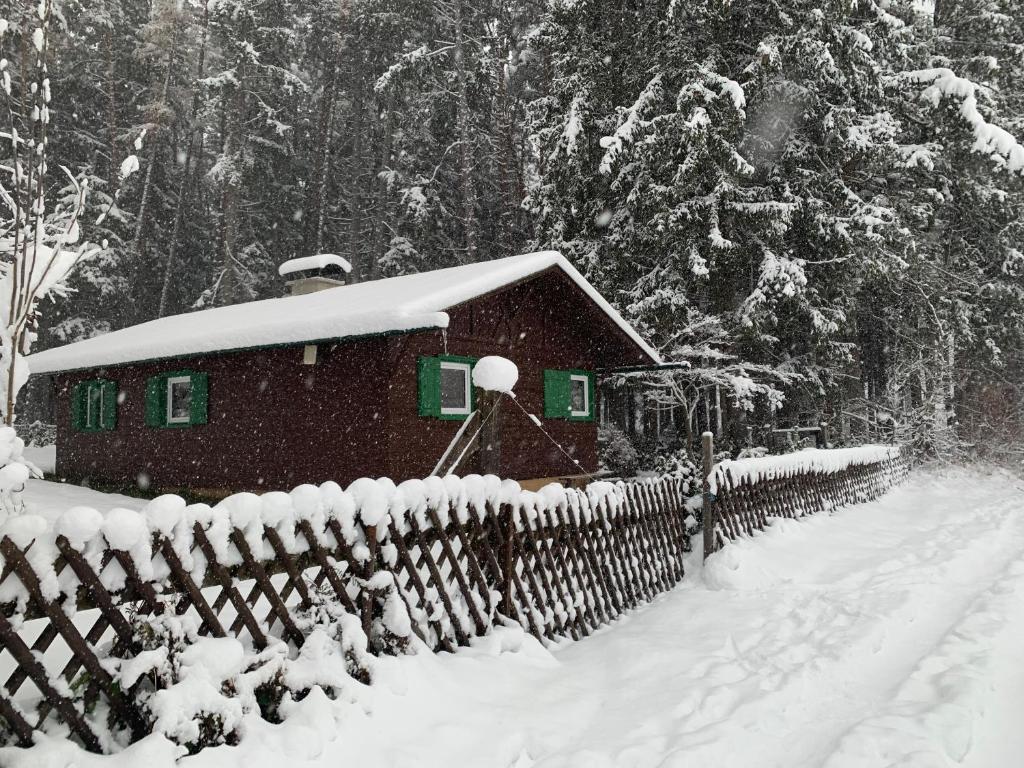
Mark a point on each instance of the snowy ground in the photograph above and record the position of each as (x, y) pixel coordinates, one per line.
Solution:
(886, 635)
(51, 499)
(44, 457)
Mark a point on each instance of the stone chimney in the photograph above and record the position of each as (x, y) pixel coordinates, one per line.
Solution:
(310, 274)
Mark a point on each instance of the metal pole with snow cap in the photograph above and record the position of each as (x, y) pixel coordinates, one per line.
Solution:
(708, 504)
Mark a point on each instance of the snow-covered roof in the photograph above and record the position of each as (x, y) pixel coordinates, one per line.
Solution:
(406, 303)
(319, 261)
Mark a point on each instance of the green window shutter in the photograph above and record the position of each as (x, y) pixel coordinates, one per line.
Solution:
(200, 398)
(78, 394)
(556, 394)
(156, 408)
(591, 399)
(429, 375)
(109, 397)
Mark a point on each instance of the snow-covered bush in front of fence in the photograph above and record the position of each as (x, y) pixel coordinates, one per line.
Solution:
(194, 690)
(199, 691)
(337, 649)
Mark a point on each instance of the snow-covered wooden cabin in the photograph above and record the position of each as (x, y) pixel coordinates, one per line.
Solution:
(368, 379)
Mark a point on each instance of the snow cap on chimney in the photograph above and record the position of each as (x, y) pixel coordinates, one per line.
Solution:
(315, 273)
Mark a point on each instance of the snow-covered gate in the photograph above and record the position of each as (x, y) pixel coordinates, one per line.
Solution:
(444, 559)
(745, 494)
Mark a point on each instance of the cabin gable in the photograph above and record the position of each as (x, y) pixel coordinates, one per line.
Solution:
(545, 323)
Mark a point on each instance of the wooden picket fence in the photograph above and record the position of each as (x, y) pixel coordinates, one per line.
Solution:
(741, 504)
(561, 562)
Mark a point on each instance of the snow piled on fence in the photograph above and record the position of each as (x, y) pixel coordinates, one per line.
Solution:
(374, 504)
(810, 461)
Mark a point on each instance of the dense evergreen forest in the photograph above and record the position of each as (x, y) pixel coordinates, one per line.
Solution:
(817, 205)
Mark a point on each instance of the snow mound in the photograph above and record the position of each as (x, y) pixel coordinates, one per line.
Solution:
(735, 568)
(495, 374)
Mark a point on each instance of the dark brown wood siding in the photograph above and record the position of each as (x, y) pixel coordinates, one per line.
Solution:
(543, 323)
(275, 423)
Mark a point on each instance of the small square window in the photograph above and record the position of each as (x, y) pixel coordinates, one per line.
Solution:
(579, 395)
(179, 400)
(455, 388)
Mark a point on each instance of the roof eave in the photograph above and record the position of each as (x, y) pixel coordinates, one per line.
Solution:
(235, 350)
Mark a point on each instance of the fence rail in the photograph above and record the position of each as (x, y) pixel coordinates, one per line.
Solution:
(460, 554)
(744, 496)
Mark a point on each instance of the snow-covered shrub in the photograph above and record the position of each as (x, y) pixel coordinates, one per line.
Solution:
(15, 470)
(194, 690)
(38, 433)
(391, 630)
(337, 642)
(336, 647)
(616, 452)
(677, 464)
(198, 691)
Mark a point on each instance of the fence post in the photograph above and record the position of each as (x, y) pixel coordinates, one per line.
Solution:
(509, 561)
(488, 403)
(708, 507)
(371, 567)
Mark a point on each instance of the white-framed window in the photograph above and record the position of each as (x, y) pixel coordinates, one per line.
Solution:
(179, 400)
(456, 398)
(579, 395)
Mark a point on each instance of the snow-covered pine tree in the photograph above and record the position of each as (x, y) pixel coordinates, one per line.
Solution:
(255, 86)
(714, 164)
(455, 93)
(943, 324)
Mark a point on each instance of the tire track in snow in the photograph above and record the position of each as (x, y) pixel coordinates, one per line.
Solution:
(933, 719)
(840, 653)
(774, 676)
